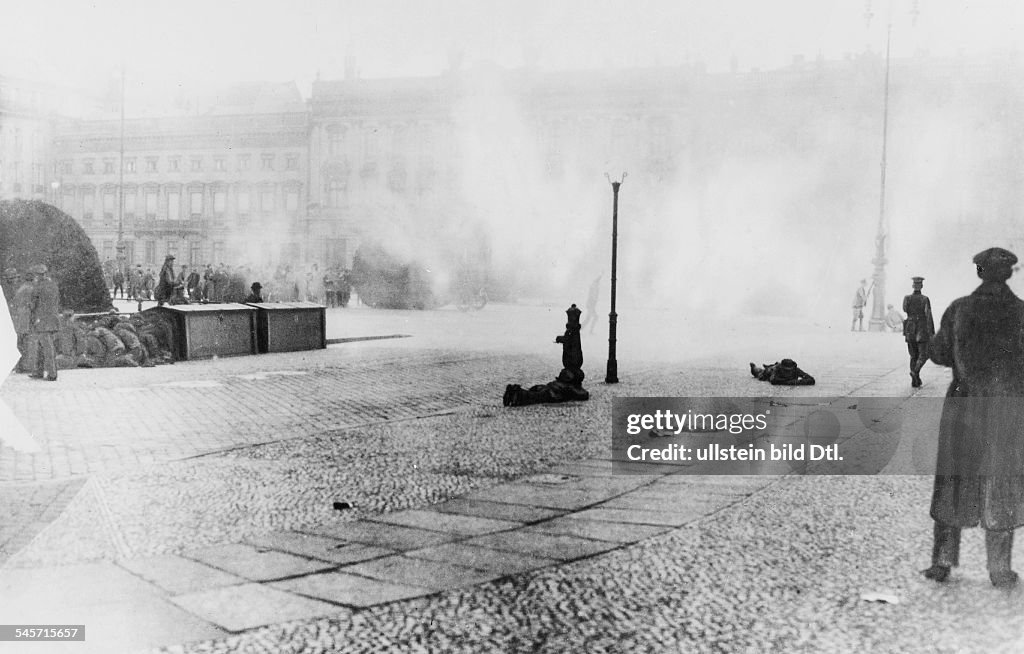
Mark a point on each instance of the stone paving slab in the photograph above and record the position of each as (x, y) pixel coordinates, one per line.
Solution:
(483, 558)
(580, 470)
(498, 510)
(632, 516)
(679, 503)
(614, 532)
(565, 548)
(318, 547)
(236, 608)
(456, 524)
(73, 585)
(386, 535)
(141, 624)
(420, 572)
(533, 495)
(257, 564)
(177, 575)
(350, 590)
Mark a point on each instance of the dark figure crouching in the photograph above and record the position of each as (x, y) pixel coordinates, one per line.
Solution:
(782, 373)
(568, 386)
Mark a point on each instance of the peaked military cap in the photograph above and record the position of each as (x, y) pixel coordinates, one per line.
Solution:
(995, 257)
(917, 280)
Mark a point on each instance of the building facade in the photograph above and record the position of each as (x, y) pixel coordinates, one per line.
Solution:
(27, 113)
(220, 187)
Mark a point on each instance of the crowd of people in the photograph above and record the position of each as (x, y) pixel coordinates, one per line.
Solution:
(189, 284)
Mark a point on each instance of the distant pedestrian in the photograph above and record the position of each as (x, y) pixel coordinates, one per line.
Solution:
(860, 300)
(193, 286)
(148, 284)
(21, 314)
(918, 329)
(165, 287)
(979, 476)
(118, 278)
(590, 314)
(45, 324)
(894, 319)
(254, 296)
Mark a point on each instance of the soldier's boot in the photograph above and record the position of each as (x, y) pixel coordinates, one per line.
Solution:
(999, 548)
(945, 552)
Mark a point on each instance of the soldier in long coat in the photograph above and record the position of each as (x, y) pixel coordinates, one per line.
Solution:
(21, 313)
(918, 329)
(979, 476)
(45, 324)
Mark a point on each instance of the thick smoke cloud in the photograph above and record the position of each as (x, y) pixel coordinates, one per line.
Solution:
(769, 201)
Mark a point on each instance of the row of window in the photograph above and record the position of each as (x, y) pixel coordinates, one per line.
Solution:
(243, 162)
(14, 173)
(172, 203)
(191, 251)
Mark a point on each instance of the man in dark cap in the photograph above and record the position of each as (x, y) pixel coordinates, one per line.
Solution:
(45, 324)
(918, 329)
(979, 476)
(255, 296)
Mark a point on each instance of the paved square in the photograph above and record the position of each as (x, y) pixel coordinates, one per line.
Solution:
(177, 575)
(73, 585)
(350, 590)
(444, 522)
(498, 510)
(421, 572)
(237, 608)
(614, 532)
(387, 535)
(255, 563)
(483, 558)
(318, 547)
(565, 548)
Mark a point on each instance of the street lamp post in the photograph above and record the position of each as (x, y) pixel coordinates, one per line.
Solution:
(120, 189)
(612, 372)
(877, 322)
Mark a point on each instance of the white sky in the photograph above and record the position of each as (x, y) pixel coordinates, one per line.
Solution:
(218, 41)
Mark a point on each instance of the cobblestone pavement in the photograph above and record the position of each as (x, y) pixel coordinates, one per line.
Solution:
(468, 527)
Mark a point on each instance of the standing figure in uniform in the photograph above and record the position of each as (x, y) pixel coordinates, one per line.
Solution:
(21, 314)
(918, 329)
(118, 278)
(45, 324)
(979, 476)
(860, 300)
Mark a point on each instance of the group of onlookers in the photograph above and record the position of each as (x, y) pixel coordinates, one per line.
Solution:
(225, 283)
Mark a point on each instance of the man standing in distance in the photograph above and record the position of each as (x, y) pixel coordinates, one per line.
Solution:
(45, 323)
(918, 329)
(860, 300)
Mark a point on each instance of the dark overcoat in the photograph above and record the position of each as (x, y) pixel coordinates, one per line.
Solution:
(980, 466)
(21, 308)
(919, 326)
(45, 306)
